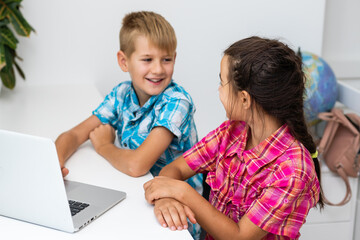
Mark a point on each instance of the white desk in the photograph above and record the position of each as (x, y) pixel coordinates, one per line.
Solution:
(49, 110)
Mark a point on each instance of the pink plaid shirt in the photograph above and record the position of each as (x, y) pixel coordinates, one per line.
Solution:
(274, 184)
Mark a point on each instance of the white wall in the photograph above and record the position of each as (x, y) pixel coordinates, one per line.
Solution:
(341, 48)
(77, 40)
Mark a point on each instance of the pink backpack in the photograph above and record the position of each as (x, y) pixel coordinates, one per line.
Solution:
(340, 147)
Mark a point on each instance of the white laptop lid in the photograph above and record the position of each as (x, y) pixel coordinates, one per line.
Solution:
(21, 170)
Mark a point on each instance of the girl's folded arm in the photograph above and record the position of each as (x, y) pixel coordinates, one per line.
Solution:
(178, 169)
(212, 220)
(216, 223)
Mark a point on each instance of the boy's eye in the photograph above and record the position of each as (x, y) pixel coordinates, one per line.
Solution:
(167, 59)
(147, 59)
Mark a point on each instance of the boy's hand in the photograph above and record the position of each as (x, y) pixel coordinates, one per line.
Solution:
(101, 136)
(173, 214)
(64, 171)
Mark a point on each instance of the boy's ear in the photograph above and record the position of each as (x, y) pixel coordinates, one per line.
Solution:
(122, 61)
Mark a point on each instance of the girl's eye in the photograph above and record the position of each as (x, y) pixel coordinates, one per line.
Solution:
(147, 59)
(167, 59)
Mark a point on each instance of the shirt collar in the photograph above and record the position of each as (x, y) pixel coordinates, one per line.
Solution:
(135, 107)
(135, 101)
(269, 149)
(237, 138)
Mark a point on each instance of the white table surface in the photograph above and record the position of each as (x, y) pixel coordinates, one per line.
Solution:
(49, 110)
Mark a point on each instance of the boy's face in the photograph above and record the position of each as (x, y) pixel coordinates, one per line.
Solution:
(150, 68)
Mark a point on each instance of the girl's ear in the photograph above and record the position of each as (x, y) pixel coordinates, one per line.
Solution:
(122, 61)
(245, 99)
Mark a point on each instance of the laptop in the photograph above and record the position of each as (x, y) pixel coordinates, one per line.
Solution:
(32, 188)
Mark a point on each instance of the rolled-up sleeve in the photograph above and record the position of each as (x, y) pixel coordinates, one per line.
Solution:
(282, 207)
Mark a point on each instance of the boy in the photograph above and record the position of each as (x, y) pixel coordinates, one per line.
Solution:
(153, 116)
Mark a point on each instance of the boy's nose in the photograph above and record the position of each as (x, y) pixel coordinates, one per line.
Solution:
(157, 67)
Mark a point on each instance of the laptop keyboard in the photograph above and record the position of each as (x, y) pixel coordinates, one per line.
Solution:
(77, 207)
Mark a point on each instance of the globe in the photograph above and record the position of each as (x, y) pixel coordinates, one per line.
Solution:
(320, 86)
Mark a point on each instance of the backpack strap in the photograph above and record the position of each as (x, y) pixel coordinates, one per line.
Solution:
(340, 170)
(353, 123)
(333, 123)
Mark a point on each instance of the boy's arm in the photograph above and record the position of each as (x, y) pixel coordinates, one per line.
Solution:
(69, 141)
(135, 162)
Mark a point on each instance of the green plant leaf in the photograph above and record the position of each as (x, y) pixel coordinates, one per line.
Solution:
(9, 56)
(8, 77)
(16, 56)
(7, 37)
(2, 56)
(21, 26)
(4, 22)
(3, 19)
(12, 1)
(10, 14)
(20, 71)
(3, 11)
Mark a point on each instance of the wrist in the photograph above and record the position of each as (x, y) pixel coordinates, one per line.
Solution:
(103, 149)
(185, 191)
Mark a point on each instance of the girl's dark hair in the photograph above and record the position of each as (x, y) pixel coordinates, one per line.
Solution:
(272, 74)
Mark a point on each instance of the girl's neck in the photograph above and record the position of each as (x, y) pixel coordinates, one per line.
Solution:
(260, 129)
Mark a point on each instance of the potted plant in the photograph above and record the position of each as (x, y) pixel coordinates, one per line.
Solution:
(10, 15)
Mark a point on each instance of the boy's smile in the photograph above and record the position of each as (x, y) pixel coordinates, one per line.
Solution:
(150, 68)
(153, 80)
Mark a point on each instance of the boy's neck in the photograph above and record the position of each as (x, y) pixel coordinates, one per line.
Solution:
(142, 97)
(142, 100)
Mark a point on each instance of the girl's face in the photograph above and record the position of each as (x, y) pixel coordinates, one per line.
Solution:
(225, 86)
(235, 107)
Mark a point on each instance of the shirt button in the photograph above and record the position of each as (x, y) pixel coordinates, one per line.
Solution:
(132, 123)
(125, 145)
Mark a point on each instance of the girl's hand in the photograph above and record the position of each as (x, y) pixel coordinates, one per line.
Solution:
(173, 214)
(101, 136)
(164, 187)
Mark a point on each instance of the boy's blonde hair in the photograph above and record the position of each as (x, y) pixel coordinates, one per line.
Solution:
(149, 24)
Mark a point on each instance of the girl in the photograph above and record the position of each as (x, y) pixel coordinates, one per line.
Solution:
(262, 165)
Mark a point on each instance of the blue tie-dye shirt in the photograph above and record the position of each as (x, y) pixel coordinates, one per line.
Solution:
(172, 109)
